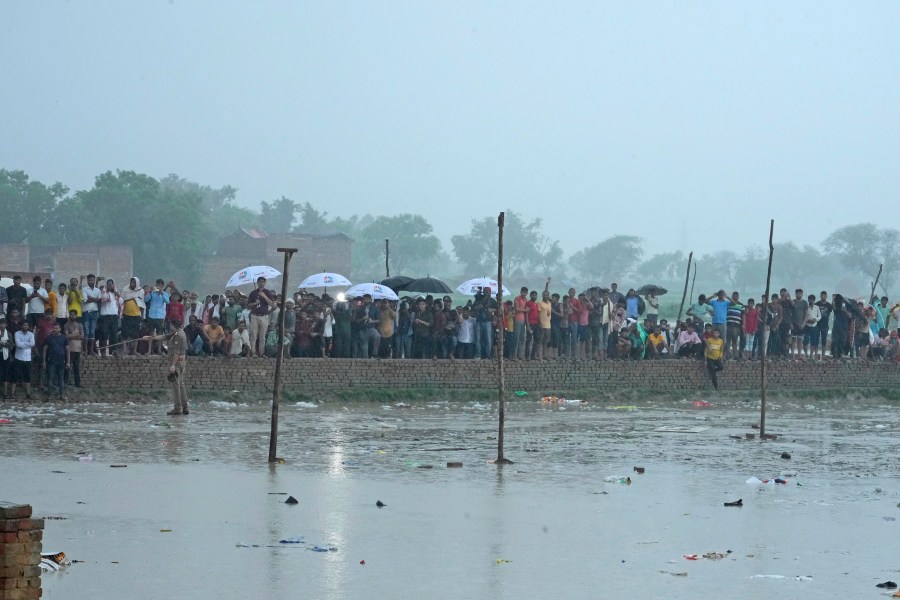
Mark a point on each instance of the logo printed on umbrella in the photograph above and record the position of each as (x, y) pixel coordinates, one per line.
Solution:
(377, 288)
(328, 279)
(242, 274)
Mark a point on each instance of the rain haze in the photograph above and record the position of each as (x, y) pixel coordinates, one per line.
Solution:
(688, 124)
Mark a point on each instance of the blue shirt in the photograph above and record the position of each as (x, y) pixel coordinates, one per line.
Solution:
(631, 307)
(156, 304)
(720, 310)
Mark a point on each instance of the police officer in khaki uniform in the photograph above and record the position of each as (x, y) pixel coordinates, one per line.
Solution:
(177, 353)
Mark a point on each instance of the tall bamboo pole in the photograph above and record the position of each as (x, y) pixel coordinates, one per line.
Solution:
(276, 391)
(686, 277)
(501, 375)
(875, 284)
(765, 341)
(387, 257)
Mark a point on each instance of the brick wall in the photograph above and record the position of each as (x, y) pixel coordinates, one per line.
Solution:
(20, 552)
(327, 375)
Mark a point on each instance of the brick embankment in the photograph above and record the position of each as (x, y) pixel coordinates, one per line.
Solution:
(20, 552)
(135, 375)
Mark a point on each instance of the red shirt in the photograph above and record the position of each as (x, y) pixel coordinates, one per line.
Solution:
(576, 309)
(175, 311)
(520, 303)
(532, 312)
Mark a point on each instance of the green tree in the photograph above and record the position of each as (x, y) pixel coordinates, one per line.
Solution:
(220, 212)
(165, 227)
(28, 208)
(413, 247)
(863, 247)
(278, 216)
(667, 266)
(525, 247)
(313, 220)
(613, 258)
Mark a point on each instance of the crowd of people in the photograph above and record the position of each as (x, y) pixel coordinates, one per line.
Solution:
(46, 331)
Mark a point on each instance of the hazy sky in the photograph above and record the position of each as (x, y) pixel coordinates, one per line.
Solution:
(691, 124)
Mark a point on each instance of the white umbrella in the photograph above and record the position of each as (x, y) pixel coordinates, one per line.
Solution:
(470, 287)
(5, 282)
(376, 290)
(251, 274)
(321, 280)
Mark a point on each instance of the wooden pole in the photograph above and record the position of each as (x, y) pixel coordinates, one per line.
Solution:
(387, 257)
(763, 344)
(276, 391)
(686, 277)
(501, 375)
(875, 284)
(693, 281)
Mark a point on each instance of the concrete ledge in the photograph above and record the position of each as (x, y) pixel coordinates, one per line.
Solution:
(137, 375)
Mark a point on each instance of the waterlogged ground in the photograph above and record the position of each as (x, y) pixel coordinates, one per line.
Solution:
(197, 513)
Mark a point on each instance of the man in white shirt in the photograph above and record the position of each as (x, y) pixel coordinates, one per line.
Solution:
(21, 367)
(37, 302)
(240, 341)
(90, 314)
(108, 325)
(465, 335)
(6, 343)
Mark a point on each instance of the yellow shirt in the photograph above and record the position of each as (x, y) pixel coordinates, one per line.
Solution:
(715, 348)
(657, 338)
(74, 303)
(131, 308)
(544, 308)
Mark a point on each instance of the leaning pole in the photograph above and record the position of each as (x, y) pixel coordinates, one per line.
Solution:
(276, 391)
(501, 375)
(765, 342)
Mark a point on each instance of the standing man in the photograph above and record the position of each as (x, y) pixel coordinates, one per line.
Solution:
(133, 308)
(719, 306)
(16, 296)
(261, 302)
(485, 307)
(799, 308)
(825, 310)
(177, 360)
(37, 302)
(108, 325)
(156, 302)
(56, 359)
(734, 321)
(90, 313)
(75, 334)
(21, 367)
(715, 351)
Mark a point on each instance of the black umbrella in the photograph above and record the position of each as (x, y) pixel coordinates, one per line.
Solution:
(645, 289)
(397, 283)
(602, 290)
(428, 285)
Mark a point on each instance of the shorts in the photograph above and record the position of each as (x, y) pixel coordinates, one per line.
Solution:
(584, 333)
(131, 327)
(4, 370)
(21, 371)
(798, 330)
(811, 337)
(157, 325)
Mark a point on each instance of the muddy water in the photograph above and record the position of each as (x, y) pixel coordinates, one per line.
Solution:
(565, 530)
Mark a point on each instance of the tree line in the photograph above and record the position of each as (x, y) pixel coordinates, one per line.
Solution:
(172, 224)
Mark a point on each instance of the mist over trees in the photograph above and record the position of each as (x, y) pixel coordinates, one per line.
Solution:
(173, 223)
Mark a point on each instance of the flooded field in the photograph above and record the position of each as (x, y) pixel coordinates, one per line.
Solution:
(197, 512)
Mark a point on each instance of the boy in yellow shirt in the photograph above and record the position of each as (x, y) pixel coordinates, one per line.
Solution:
(714, 351)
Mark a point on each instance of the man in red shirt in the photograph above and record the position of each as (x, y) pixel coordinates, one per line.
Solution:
(261, 302)
(520, 333)
(575, 308)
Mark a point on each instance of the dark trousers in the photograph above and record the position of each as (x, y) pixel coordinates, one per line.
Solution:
(75, 360)
(714, 366)
(56, 376)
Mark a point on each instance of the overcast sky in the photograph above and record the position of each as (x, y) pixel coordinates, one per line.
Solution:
(688, 123)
